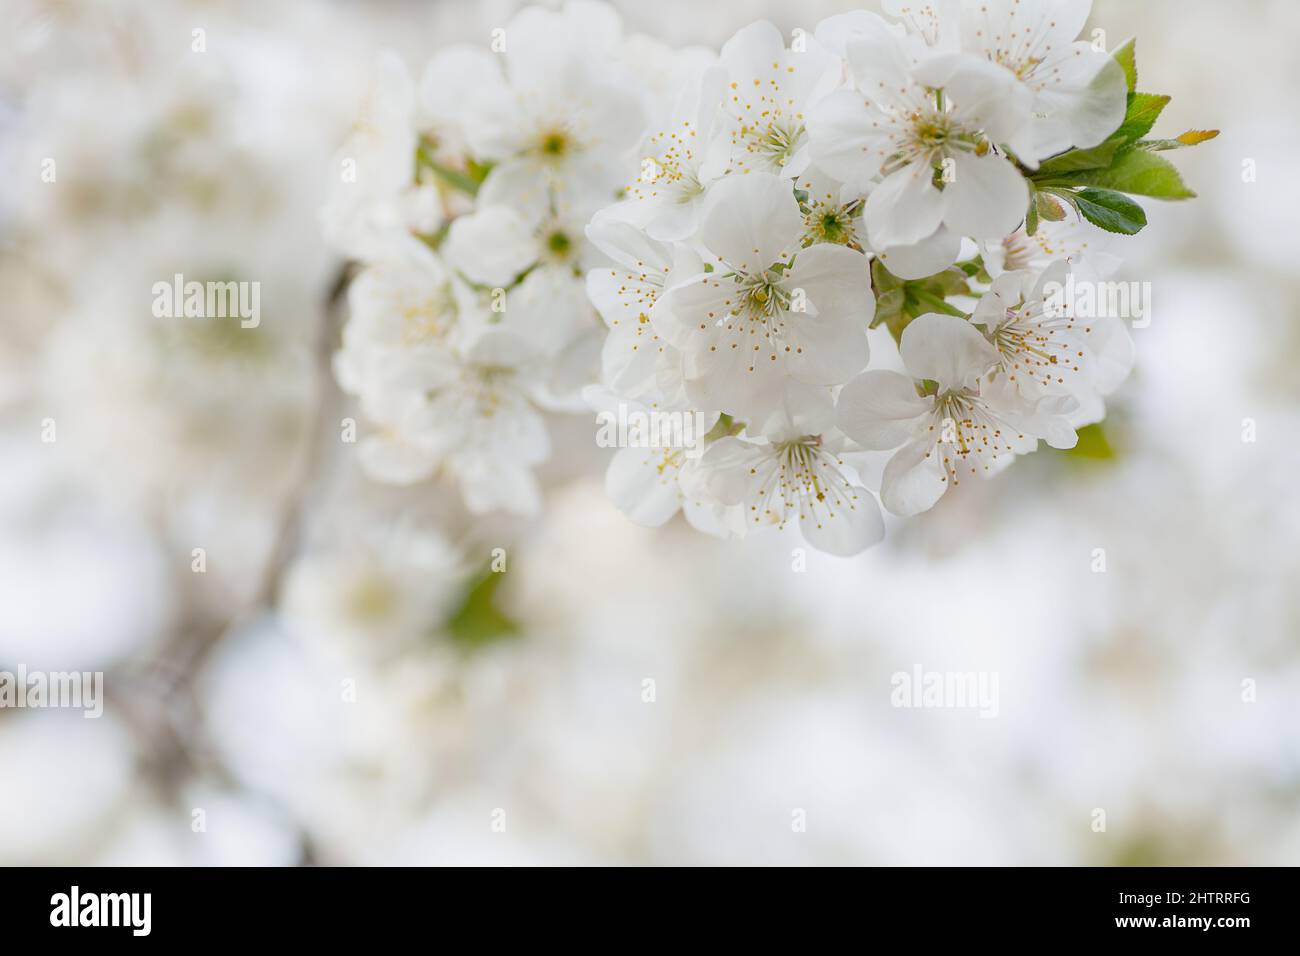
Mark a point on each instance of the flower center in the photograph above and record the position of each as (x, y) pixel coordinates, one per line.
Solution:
(559, 245)
(371, 600)
(428, 318)
(762, 297)
(555, 144)
(828, 222)
(928, 135)
(808, 483)
(774, 140)
(1039, 346)
(969, 435)
(672, 170)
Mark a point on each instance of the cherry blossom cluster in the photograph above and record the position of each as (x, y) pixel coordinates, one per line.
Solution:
(943, 174)
(839, 243)
(464, 197)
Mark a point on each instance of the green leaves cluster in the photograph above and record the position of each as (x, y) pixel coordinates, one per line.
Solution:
(1098, 182)
(478, 619)
(466, 181)
(899, 301)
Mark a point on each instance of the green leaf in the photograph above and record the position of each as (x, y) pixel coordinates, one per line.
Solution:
(478, 620)
(434, 240)
(951, 281)
(1126, 57)
(899, 301)
(1112, 211)
(1098, 157)
(1093, 445)
(1031, 214)
(724, 427)
(1143, 111)
(1135, 171)
(889, 295)
(882, 279)
(478, 171)
(465, 182)
(921, 301)
(974, 269)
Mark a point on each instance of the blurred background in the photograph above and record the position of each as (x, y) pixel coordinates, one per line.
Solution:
(345, 680)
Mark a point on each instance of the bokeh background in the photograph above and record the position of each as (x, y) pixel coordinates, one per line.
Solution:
(276, 693)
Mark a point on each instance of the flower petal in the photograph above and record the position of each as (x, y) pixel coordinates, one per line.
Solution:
(913, 480)
(752, 221)
(905, 208)
(642, 483)
(925, 258)
(987, 198)
(846, 523)
(880, 410)
(946, 349)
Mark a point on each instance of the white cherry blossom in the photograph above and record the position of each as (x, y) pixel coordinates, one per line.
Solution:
(536, 266)
(1045, 349)
(1089, 250)
(626, 294)
(680, 161)
(476, 421)
(405, 310)
(769, 90)
(769, 312)
(1041, 347)
(930, 129)
(375, 199)
(952, 417)
(1078, 92)
(655, 475)
(793, 472)
(561, 117)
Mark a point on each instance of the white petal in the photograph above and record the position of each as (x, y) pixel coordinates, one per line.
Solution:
(699, 301)
(905, 208)
(490, 486)
(1082, 101)
(547, 308)
(842, 139)
(987, 198)
(491, 246)
(804, 410)
(874, 52)
(629, 359)
(925, 258)
(913, 480)
(721, 370)
(752, 222)
(847, 523)
(880, 410)
(628, 245)
(731, 471)
(985, 95)
(828, 341)
(642, 483)
(453, 78)
(989, 27)
(388, 459)
(946, 349)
